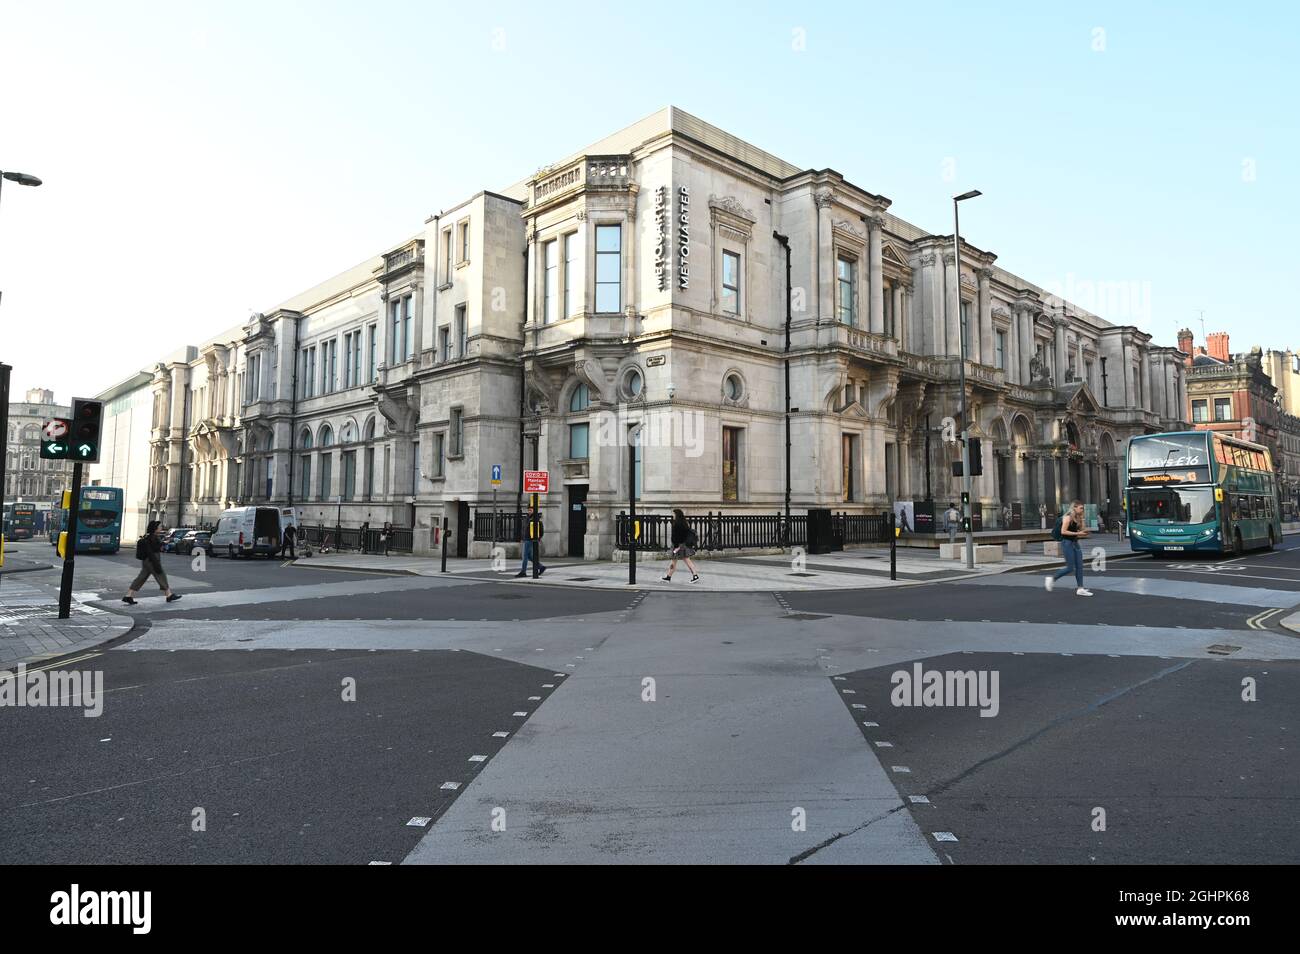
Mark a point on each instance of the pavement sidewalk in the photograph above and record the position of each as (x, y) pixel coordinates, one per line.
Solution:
(31, 631)
(847, 569)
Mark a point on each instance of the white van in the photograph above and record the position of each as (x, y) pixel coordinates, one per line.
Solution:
(244, 531)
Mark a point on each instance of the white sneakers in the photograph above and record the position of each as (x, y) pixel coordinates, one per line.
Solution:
(1050, 582)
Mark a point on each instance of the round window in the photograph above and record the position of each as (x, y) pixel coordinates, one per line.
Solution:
(733, 387)
(633, 383)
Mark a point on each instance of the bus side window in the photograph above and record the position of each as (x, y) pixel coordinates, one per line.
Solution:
(1232, 506)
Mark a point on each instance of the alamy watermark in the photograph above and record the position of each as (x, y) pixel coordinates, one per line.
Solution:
(652, 427)
(54, 688)
(946, 688)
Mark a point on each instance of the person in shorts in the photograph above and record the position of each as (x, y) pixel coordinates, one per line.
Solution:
(683, 541)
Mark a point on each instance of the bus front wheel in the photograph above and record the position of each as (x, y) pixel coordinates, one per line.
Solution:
(1237, 547)
(1271, 541)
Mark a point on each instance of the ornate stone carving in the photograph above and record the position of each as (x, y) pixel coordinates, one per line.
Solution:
(849, 228)
(731, 205)
(822, 199)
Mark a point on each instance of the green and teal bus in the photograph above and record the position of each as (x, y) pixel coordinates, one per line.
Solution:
(99, 521)
(1200, 491)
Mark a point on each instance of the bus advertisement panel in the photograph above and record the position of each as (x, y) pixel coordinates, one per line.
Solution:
(1199, 491)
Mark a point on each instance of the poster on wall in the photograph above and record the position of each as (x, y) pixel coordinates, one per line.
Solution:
(923, 516)
(1017, 515)
(903, 516)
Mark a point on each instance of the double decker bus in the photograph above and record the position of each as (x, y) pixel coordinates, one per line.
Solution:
(20, 521)
(1200, 491)
(99, 521)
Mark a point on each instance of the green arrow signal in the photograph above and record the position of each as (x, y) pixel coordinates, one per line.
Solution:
(86, 450)
(56, 448)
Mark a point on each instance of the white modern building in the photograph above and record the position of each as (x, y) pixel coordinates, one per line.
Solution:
(640, 286)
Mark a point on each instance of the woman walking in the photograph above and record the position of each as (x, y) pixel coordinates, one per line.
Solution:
(148, 550)
(1072, 530)
(684, 541)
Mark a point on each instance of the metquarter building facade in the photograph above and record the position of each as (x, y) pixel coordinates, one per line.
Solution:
(673, 313)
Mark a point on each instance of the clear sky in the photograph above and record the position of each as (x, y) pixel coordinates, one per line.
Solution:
(205, 161)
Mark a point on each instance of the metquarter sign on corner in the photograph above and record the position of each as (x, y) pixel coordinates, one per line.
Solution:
(683, 237)
(662, 242)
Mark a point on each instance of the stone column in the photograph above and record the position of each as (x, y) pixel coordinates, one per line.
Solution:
(952, 306)
(898, 313)
(1058, 372)
(987, 354)
(1148, 395)
(876, 304)
(1025, 328)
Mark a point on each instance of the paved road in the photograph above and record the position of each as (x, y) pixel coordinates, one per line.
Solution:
(670, 727)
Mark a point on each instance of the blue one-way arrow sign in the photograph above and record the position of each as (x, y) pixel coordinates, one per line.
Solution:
(496, 473)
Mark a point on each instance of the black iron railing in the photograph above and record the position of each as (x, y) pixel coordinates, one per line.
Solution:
(501, 526)
(718, 531)
(349, 538)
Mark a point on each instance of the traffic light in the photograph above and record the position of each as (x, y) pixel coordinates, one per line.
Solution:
(54, 439)
(87, 425)
(976, 458)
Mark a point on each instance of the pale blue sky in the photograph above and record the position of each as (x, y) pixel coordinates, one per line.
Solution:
(203, 161)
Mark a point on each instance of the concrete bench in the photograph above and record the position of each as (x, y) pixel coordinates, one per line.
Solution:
(1051, 548)
(952, 551)
(989, 553)
(1015, 546)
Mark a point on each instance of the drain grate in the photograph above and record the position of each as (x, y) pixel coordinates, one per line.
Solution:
(1222, 649)
(808, 616)
(580, 579)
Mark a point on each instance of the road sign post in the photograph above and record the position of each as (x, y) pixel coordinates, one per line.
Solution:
(633, 538)
(496, 482)
(70, 550)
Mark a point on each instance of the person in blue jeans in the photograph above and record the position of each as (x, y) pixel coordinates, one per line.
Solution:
(1073, 530)
(533, 533)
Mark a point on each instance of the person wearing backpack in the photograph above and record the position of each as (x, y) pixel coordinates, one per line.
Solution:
(1070, 529)
(148, 550)
(684, 541)
(535, 530)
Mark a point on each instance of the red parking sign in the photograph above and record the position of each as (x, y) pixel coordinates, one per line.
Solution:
(537, 481)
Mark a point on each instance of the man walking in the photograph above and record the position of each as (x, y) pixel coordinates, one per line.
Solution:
(148, 550)
(951, 521)
(365, 536)
(290, 533)
(533, 543)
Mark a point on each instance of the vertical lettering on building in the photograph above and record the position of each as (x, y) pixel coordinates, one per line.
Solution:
(663, 245)
(684, 237)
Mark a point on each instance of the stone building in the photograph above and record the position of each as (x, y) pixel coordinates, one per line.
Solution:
(27, 477)
(1246, 395)
(655, 288)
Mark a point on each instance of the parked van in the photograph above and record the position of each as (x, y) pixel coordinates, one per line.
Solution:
(244, 531)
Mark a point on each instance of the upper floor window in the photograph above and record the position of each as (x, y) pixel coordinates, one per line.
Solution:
(609, 268)
(1001, 355)
(464, 241)
(846, 288)
(446, 257)
(570, 279)
(462, 332)
(408, 316)
(550, 281)
(1223, 409)
(1200, 411)
(580, 398)
(731, 283)
(444, 344)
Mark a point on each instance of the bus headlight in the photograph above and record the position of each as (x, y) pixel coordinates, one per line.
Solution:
(1137, 532)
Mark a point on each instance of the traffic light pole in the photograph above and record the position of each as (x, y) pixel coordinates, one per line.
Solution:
(4, 429)
(632, 535)
(70, 545)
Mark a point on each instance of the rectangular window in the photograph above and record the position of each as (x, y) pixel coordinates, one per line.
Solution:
(887, 309)
(570, 253)
(311, 371)
(609, 268)
(1222, 409)
(329, 366)
(731, 463)
(447, 247)
(348, 380)
(731, 283)
(550, 281)
(444, 344)
(349, 475)
(464, 241)
(457, 431)
(848, 465)
(408, 315)
(965, 321)
(438, 454)
(415, 467)
(462, 332)
(846, 287)
(305, 487)
(372, 361)
(1200, 412)
(326, 476)
(1002, 350)
(578, 434)
(394, 331)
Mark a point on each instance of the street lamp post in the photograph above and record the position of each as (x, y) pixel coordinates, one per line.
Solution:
(961, 365)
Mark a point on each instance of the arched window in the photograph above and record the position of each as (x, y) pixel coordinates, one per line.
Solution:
(31, 433)
(580, 398)
(370, 430)
(348, 434)
(305, 439)
(326, 435)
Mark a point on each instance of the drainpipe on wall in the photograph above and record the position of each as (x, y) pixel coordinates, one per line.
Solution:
(785, 244)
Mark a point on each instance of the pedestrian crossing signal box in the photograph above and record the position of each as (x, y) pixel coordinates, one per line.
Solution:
(76, 438)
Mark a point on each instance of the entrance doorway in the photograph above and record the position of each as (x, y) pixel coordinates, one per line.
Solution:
(577, 520)
(462, 528)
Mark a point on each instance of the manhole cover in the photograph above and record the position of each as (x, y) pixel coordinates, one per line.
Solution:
(1222, 649)
(808, 616)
